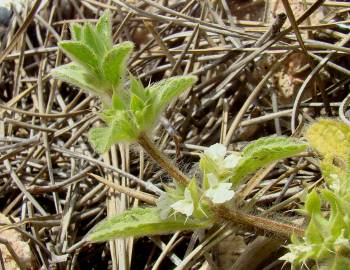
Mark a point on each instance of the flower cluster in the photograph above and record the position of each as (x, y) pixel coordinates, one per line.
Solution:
(215, 165)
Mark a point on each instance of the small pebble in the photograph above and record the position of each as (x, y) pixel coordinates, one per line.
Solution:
(5, 15)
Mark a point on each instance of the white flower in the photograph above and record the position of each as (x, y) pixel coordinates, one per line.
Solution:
(289, 257)
(184, 206)
(296, 253)
(230, 161)
(163, 205)
(218, 192)
(217, 153)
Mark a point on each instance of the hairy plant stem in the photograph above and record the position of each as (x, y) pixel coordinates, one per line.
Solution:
(220, 211)
(162, 160)
(260, 223)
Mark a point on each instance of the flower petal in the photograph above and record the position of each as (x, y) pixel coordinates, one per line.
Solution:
(216, 152)
(212, 179)
(163, 204)
(231, 161)
(289, 257)
(224, 185)
(220, 194)
(187, 195)
(184, 207)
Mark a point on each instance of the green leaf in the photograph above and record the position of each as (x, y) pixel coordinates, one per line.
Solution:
(337, 225)
(118, 103)
(263, 142)
(313, 203)
(313, 234)
(336, 219)
(193, 188)
(294, 239)
(108, 115)
(141, 222)
(120, 129)
(137, 88)
(136, 104)
(75, 30)
(146, 118)
(335, 176)
(104, 29)
(166, 90)
(78, 76)
(200, 208)
(114, 63)
(262, 152)
(333, 201)
(81, 54)
(93, 40)
(341, 263)
(207, 165)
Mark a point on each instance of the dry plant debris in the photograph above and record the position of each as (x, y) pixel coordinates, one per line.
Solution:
(21, 248)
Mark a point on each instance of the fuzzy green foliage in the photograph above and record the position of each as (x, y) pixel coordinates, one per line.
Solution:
(262, 152)
(185, 207)
(130, 109)
(185, 201)
(137, 112)
(327, 236)
(100, 68)
(141, 222)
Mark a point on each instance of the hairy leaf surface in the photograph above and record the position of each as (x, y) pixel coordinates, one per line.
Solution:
(166, 90)
(141, 222)
(262, 152)
(81, 54)
(104, 29)
(93, 40)
(120, 129)
(76, 30)
(77, 76)
(114, 63)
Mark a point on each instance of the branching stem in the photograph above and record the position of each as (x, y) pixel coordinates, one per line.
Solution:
(222, 212)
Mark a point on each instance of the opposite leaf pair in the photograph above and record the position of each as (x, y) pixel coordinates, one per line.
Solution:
(138, 111)
(97, 67)
(100, 69)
